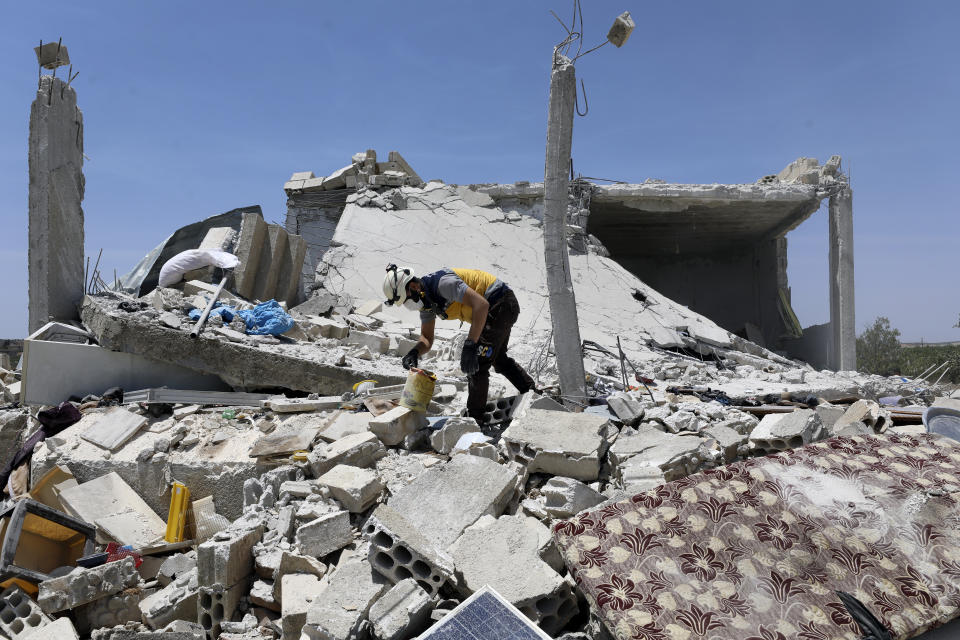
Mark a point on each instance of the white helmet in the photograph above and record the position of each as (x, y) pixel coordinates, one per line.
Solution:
(395, 284)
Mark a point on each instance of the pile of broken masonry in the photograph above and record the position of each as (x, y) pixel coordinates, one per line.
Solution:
(320, 511)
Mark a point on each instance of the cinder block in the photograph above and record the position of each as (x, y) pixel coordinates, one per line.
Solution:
(398, 551)
(218, 604)
(395, 425)
(290, 564)
(402, 612)
(227, 558)
(60, 629)
(111, 611)
(780, 431)
(355, 488)
(325, 534)
(19, 615)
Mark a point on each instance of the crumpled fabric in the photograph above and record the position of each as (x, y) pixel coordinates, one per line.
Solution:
(267, 318)
(52, 422)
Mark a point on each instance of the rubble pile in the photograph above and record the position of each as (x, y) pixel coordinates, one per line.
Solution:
(291, 493)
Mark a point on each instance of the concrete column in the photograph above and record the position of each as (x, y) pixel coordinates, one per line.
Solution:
(55, 255)
(563, 303)
(842, 318)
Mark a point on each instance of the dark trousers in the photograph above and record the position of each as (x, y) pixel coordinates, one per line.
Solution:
(496, 334)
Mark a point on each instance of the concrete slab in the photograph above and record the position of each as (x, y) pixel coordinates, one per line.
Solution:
(253, 233)
(647, 452)
(395, 425)
(114, 428)
(289, 366)
(111, 500)
(345, 423)
(506, 554)
(325, 534)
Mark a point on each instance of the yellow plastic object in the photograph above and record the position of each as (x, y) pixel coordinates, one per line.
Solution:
(419, 390)
(300, 456)
(364, 385)
(179, 503)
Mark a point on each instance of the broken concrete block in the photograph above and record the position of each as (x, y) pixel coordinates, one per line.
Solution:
(445, 438)
(355, 488)
(176, 601)
(299, 592)
(114, 428)
(728, 441)
(357, 450)
(866, 412)
(217, 604)
(60, 629)
(399, 551)
(567, 497)
(344, 423)
(81, 585)
(402, 612)
(780, 431)
(19, 615)
(829, 415)
(683, 421)
(325, 534)
(299, 488)
(646, 452)
(558, 443)
(110, 611)
(262, 595)
(175, 566)
(343, 605)
(626, 408)
(291, 563)
(369, 308)
(227, 558)
(506, 553)
(395, 425)
(376, 342)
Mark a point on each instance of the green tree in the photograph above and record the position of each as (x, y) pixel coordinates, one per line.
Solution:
(878, 348)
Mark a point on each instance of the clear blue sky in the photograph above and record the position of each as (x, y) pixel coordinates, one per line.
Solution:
(194, 108)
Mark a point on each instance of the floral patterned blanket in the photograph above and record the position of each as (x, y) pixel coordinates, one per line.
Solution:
(758, 549)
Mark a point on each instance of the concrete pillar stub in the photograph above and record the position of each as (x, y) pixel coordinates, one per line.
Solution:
(563, 304)
(56, 252)
(842, 317)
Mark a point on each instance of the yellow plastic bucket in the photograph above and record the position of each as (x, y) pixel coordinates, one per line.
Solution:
(419, 390)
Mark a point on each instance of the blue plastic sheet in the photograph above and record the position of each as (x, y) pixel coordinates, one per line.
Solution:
(267, 318)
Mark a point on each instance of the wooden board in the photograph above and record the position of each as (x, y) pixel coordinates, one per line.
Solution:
(114, 428)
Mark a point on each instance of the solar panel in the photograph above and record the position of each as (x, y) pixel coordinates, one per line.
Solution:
(485, 615)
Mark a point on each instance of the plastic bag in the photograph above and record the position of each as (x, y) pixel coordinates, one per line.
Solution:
(267, 318)
(174, 268)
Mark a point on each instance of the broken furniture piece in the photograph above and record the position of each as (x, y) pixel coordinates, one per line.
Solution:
(37, 540)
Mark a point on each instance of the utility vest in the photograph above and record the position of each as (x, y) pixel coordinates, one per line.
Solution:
(477, 280)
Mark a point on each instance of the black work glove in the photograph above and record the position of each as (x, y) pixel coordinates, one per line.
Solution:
(469, 363)
(412, 359)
